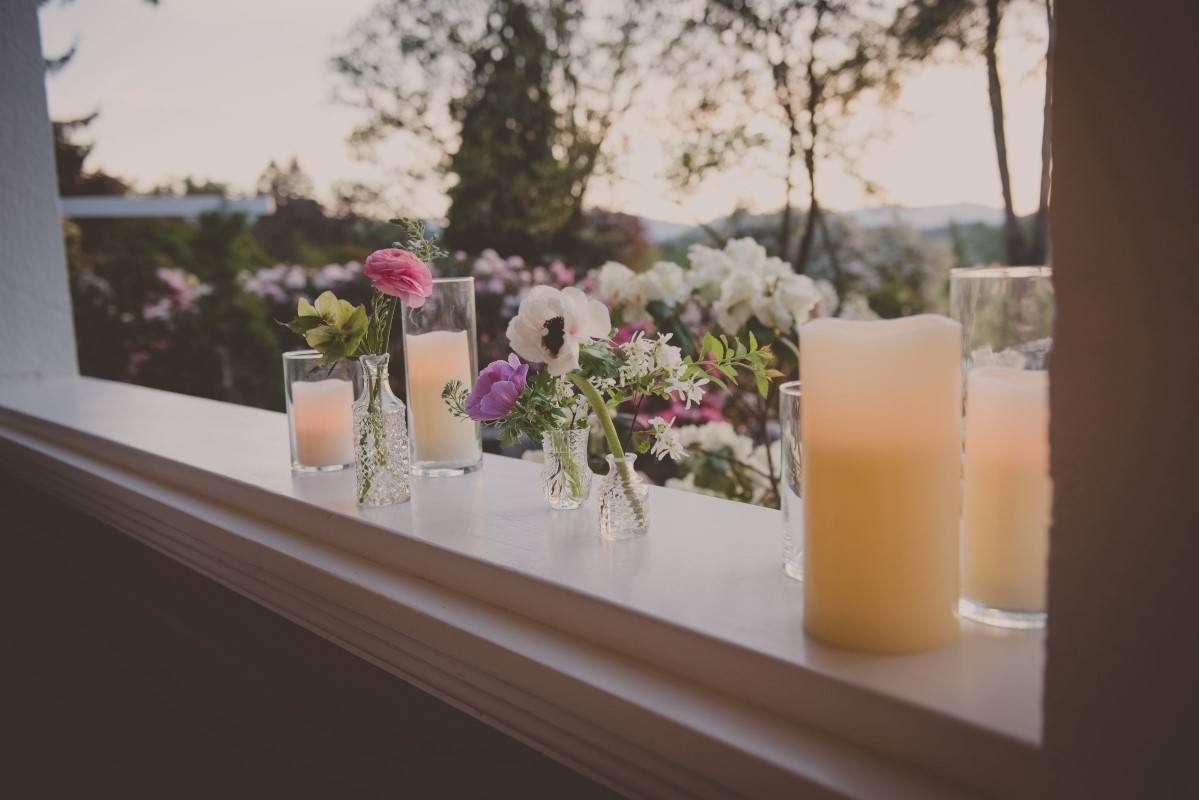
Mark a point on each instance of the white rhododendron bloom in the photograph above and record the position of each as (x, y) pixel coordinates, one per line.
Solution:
(789, 302)
(709, 268)
(552, 324)
(828, 297)
(747, 254)
(687, 484)
(856, 307)
(735, 305)
(612, 279)
(664, 282)
(711, 437)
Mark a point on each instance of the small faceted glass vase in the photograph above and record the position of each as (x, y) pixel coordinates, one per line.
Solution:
(623, 501)
(565, 478)
(380, 438)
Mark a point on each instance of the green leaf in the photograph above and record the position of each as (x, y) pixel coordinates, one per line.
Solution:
(763, 384)
(753, 343)
(712, 345)
(302, 325)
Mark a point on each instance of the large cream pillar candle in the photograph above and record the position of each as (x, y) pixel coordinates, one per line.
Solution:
(1008, 495)
(433, 360)
(881, 424)
(324, 423)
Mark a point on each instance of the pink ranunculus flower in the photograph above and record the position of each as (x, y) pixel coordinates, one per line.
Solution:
(497, 388)
(400, 274)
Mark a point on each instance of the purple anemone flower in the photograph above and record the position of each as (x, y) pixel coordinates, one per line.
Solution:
(497, 388)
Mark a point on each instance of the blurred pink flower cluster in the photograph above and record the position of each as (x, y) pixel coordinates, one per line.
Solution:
(185, 290)
(285, 283)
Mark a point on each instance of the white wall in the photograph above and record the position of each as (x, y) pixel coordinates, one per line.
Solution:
(1122, 682)
(36, 330)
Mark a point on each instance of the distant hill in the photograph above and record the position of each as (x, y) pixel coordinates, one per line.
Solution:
(927, 218)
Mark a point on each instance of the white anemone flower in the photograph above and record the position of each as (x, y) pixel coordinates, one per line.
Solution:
(552, 324)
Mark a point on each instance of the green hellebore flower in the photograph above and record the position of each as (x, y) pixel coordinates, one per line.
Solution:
(333, 327)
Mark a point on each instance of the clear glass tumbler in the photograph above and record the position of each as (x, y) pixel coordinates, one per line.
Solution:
(440, 346)
(792, 488)
(320, 404)
(565, 476)
(1007, 337)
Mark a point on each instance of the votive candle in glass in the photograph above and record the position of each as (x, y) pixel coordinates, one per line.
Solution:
(1008, 497)
(319, 404)
(439, 347)
(881, 431)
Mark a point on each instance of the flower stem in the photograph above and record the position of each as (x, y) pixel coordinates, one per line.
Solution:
(391, 315)
(601, 410)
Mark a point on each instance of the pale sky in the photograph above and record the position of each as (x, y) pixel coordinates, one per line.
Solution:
(218, 88)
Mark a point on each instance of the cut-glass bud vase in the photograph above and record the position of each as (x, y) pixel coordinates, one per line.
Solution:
(380, 438)
(623, 500)
(565, 478)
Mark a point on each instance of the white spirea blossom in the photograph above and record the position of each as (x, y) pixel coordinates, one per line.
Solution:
(666, 440)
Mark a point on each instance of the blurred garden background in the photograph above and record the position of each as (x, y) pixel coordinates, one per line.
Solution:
(711, 165)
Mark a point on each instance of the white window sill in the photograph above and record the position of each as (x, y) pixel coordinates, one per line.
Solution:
(670, 665)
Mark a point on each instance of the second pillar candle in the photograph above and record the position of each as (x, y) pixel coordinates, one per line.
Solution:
(882, 469)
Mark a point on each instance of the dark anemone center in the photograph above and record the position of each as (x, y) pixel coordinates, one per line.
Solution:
(554, 335)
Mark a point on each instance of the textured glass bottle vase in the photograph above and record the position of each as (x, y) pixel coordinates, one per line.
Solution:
(380, 438)
(623, 501)
(565, 478)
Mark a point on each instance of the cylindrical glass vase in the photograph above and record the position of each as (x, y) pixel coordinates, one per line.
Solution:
(792, 488)
(1006, 315)
(380, 438)
(623, 501)
(1007, 325)
(565, 476)
(320, 404)
(440, 346)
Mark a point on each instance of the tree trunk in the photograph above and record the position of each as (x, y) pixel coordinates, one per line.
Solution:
(1040, 243)
(840, 281)
(809, 232)
(1013, 240)
(815, 92)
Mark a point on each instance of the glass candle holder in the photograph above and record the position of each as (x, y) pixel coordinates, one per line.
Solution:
(1007, 323)
(440, 346)
(320, 420)
(792, 489)
(1006, 315)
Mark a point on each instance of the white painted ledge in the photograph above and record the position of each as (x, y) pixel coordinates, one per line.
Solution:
(673, 665)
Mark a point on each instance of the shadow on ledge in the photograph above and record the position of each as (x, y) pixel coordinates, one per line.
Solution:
(126, 674)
